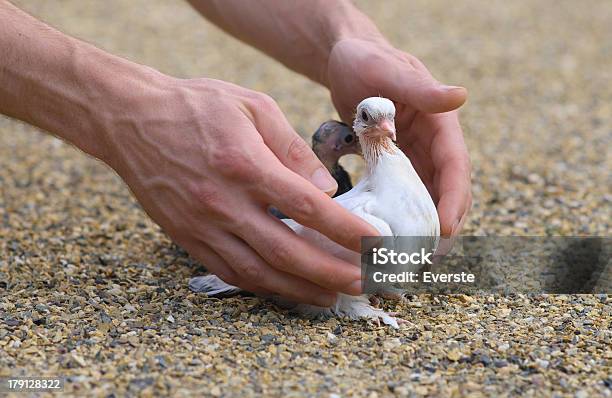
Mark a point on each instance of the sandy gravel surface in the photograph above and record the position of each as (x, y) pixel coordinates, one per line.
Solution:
(91, 289)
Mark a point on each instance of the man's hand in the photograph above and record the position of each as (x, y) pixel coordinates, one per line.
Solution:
(426, 120)
(206, 158)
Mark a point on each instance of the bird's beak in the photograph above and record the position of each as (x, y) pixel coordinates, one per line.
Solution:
(386, 128)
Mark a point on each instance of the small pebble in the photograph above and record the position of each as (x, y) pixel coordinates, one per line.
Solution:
(541, 363)
(485, 360)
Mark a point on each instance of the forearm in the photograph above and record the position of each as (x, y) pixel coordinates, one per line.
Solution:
(63, 85)
(300, 34)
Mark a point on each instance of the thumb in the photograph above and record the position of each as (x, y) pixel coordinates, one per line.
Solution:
(419, 89)
(290, 148)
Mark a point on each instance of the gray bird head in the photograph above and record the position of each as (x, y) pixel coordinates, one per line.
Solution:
(375, 117)
(333, 140)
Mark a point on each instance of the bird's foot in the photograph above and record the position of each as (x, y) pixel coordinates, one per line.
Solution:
(390, 320)
(399, 320)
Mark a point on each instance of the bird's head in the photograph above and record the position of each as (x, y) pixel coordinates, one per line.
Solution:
(375, 118)
(333, 140)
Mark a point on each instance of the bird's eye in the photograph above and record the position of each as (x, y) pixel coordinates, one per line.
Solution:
(364, 116)
(348, 139)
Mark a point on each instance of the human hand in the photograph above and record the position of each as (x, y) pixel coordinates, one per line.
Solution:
(206, 158)
(426, 118)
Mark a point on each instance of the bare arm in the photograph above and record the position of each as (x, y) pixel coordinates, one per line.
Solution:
(204, 158)
(335, 44)
(61, 84)
(300, 34)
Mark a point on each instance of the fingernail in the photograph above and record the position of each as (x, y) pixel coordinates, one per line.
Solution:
(323, 180)
(326, 300)
(355, 288)
(451, 88)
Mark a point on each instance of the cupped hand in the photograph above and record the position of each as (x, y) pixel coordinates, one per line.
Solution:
(426, 117)
(206, 158)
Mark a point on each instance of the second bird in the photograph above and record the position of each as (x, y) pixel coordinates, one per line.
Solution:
(330, 142)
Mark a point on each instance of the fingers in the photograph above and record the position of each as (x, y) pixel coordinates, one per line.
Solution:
(299, 200)
(284, 250)
(289, 147)
(451, 160)
(452, 210)
(218, 266)
(411, 83)
(252, 268)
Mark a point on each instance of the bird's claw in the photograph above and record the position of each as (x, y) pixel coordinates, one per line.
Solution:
(400, 321)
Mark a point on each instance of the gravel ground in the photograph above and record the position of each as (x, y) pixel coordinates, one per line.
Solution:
(90, 288)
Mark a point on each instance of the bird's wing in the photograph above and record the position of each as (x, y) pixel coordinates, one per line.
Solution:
(361, 202)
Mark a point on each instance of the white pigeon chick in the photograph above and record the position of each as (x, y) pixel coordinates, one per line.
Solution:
(390, 196)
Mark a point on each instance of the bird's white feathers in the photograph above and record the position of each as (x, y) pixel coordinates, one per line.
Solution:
(390, 196)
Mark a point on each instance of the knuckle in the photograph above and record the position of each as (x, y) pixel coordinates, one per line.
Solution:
(304, 207)
(211, 201)
(279, 253)
(414, 62)
(266, 103)
(251, 271)
(234, 163)
(299, 151)
(333, 280)
(207, 196)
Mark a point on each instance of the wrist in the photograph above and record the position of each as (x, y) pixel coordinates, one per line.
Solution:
(119, 94)
(346, 23)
